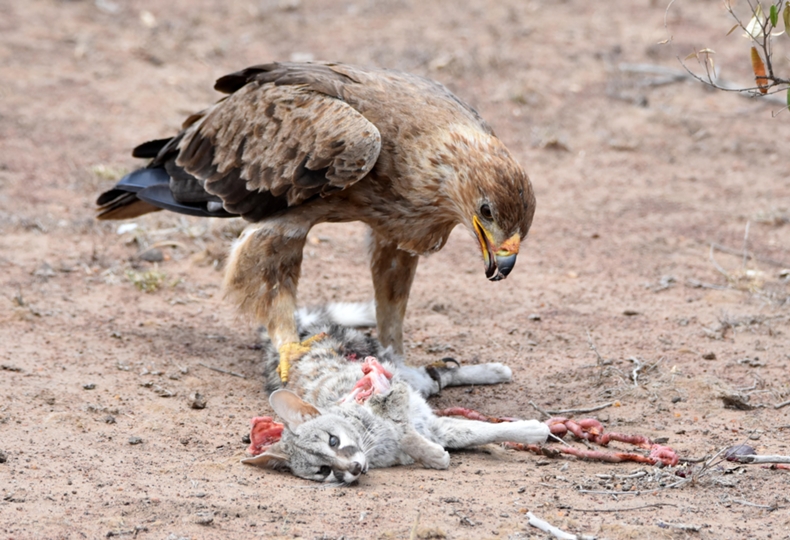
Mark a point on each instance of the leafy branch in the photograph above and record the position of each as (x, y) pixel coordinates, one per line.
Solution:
(762, 29)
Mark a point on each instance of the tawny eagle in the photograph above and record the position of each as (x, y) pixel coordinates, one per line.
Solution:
(296, 144)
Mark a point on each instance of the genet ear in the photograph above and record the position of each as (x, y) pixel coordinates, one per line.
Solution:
(291, 408)
(273, 458)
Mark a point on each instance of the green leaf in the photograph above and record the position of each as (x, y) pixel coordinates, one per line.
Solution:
(786, 17)
(774, 15)
(788, 98)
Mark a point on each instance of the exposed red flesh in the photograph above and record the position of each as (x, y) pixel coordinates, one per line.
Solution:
(264, 432)
(375, 381)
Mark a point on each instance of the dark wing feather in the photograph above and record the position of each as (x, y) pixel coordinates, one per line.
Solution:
(289, 140)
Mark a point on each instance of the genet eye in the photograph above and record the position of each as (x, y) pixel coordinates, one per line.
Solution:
(485, 212)
(333, 441)
(325, 470)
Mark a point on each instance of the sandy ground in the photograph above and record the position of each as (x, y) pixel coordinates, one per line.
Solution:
(635, 180)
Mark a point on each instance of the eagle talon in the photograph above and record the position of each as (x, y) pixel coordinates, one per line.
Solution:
(450, 360)
(292, 352)
(435, 370)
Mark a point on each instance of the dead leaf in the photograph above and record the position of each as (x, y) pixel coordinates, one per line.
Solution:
(759, 71)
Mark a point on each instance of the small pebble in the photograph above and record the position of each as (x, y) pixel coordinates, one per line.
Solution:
(205, 518)
(109, 419)
(197, 401)
(3, 457)
(246, 439)
(522, 489)
(135, 440)
(739, 450)
(89, 386)
(152, 255)
(677, 399)
(630, 313)
(533, 317)
(709, 356)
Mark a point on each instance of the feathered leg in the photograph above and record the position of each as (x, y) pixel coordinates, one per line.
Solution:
(393, 272)
(262, 276)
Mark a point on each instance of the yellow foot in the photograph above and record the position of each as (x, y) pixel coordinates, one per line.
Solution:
(291, 352)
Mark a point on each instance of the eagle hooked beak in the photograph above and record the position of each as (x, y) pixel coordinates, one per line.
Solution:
(499, 261)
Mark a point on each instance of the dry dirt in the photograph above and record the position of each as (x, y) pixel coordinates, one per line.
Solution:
(635, 180)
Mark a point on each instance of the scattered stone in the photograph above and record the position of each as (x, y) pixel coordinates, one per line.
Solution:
(135, 440)
(709, 356)
(196, 400)
(533, 317)
(204, 518)
(3, 457)
(6, 367)
(45, 271)
(89, 386)
(631, 313)
(152, 255)
(736, 401)
(109, 419)
(677, 399)
(733, 452)
(246, 438)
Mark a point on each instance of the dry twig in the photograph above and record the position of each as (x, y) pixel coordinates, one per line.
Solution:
(644, 506)
(679, 526)
(220, 370)
(760, 459)
(575, 411)
(747, 255)
(554, 531)
(747, 503)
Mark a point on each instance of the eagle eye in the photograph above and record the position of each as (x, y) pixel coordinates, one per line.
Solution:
(485, 212)
(333, 441)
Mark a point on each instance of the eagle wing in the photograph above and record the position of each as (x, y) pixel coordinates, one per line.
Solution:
(281, 137)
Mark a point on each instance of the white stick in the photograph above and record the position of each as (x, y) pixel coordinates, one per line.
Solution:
(554, 531)
(762, 459)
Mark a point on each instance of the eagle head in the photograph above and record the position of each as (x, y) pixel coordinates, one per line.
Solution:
(492, 196)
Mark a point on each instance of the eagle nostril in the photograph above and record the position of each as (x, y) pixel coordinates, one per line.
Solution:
(355, 469)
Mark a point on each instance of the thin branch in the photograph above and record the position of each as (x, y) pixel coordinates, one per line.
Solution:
(760, 459)
(747, 503)
(635, 492)
(746, 244)
(732, 251)
(717, 266)
(554, 531)
(541, 411)
(783, 404)
(654, 505)
(679, 526)
(220, 370)
(576, 411)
